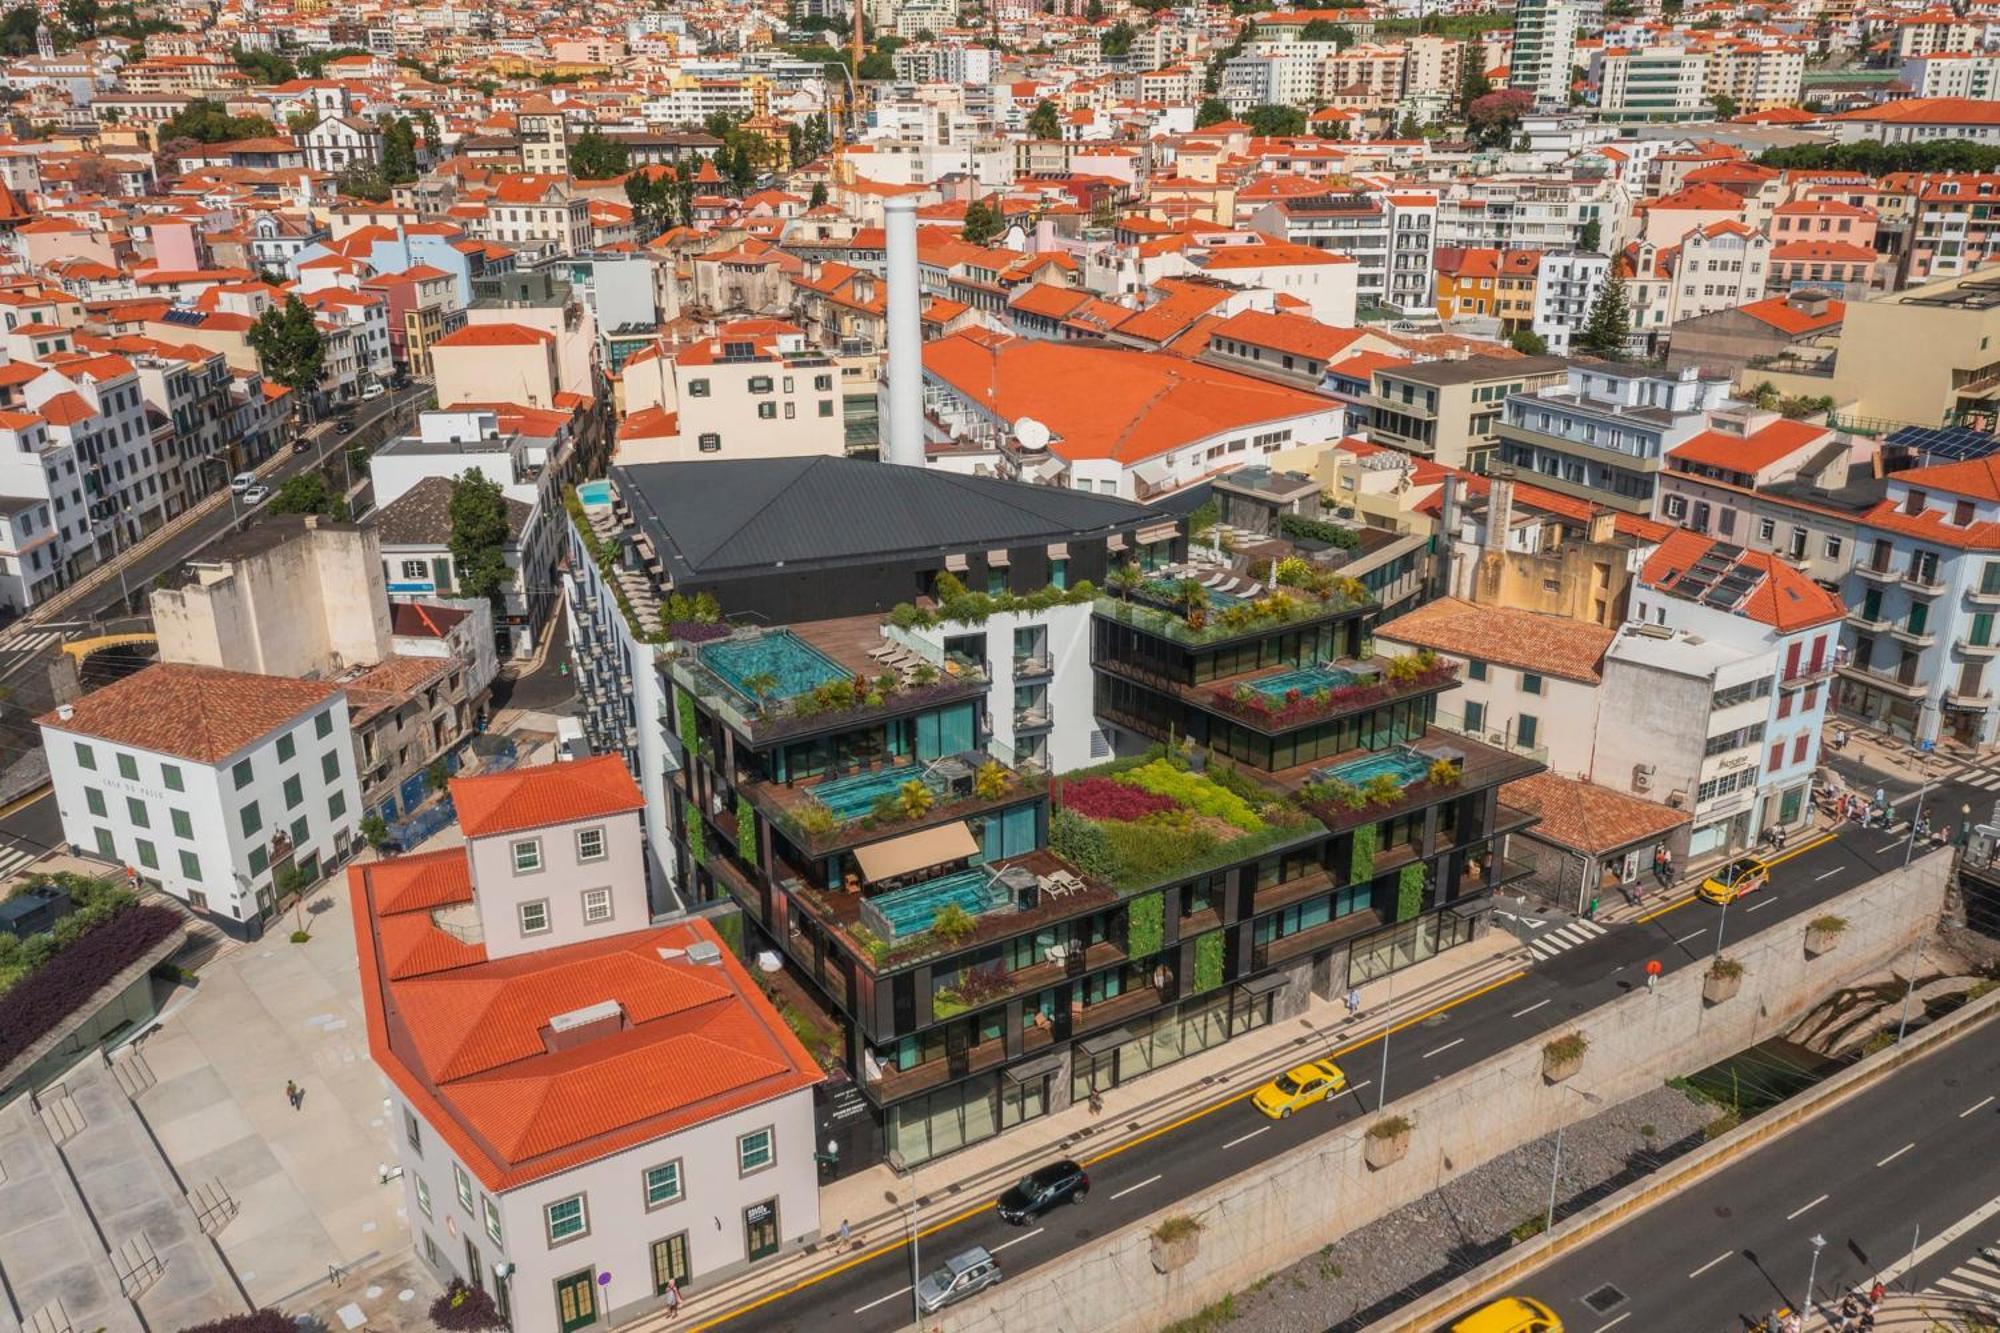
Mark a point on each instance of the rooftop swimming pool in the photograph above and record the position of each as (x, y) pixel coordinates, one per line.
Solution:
(1306, 680)
(594, 492)
(794, 666)
(910, 911)
(853, 797)
(1403, 764)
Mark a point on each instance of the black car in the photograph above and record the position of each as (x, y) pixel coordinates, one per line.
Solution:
(1058, 1183)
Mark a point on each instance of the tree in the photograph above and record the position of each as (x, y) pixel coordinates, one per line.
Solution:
(301, 122)
(289, 345)
(1494, 117)
(876, 66)
(1276, 122)
(982, 223)
(17, 29)
(206, 121)
(1765, 396)
(818, 199)
(399, 151)
(1591, 237)
(479, 536)
(1212, 111)
(363, 179)
(264, 66)
(81, 16)
(1474, 85)
(94, 175)
(1118, 40)
(308, 493)
(1725, 106)
(1529, 343)
(1326, 30)
(594, 157)
(1044, 122)
(657, 201)
(1609, 323)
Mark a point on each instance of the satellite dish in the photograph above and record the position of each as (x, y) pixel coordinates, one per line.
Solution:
(1031, 434)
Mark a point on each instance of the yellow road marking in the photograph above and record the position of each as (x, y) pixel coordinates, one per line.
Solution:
(22, 802)
(1800, 850)
(976, 1209)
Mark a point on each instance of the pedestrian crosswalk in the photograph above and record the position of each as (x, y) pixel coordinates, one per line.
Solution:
(1545, 944)
(32, 643)
(1977, 1279)
(13, 859)
(1985, 779)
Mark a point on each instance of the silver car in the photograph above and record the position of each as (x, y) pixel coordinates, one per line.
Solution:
(960, 1276)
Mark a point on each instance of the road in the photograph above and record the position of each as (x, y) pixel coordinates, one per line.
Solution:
(1871, 1177)
(1145, 1175)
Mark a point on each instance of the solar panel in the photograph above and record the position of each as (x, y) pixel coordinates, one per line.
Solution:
(1949, 444)
(1722, 596)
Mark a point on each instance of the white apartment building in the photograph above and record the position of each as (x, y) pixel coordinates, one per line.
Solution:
(1968, 74)
(1604, 434)
(1544, 58)
(1722, 266)
(536, 934)
(94, 407)
(47, 525)
(746, 396)
(1566, 286)
(1653, 83)
(209, 784)
(1758, 76)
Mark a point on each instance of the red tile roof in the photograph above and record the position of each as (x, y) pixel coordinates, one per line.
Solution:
(1752, 453)
(204, 714)
(536, 797)
(1589, 818)
(463, 1038)
(495, 335)
(1784, 598)
(1782, 315)
(1552, 645)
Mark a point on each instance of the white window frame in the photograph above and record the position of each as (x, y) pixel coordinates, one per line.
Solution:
(536, 904)
(646, 1185)
(769, 1134)
(463, 1183)
(423, 1196)
(592, 898)
(534, 846)
(603, 843)
(582, 1202)
(490, 1213)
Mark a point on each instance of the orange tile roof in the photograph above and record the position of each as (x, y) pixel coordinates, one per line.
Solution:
(1109, 402)
(1289, 333)
(1751, 453)
(536, 797)
(1552, 645)
(1783, 598)
(1785, 317)
(463, 1040)
(1824, 252)
(1589, 818)
(204, 714)
(495, 335)
(1929, 111)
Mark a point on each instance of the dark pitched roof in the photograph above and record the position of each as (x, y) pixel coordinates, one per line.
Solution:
(421, 516)
(711, 518)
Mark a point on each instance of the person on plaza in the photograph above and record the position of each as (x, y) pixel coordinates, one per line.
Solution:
(1353, 1002)
(673, 1295)
(1666, 867)
(1875, 1295)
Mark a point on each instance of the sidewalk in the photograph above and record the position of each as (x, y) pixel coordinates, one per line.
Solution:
(965, 1181)
(1922, 1312)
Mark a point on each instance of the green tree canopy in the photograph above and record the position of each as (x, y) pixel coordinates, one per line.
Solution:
(593, 157)
(876, 65)
(289, 345)
(399, 151)
(1326, 30)
(206, 121)
(1212, 111)
(1117, 41)
(264, 66)
(1609, 323)
(1529, 343)
(1493, 118)
(479, 536)
(818, 199)
(1277, 122)
(1044, 122)
(1591, 237)
(1879, 159)
(308, 493)
(982, 222)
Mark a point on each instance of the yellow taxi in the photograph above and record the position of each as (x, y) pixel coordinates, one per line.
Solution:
(1731, 880)
(1510, 1314)
(1298, 1087)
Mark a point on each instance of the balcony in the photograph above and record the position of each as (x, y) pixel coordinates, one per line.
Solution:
(1314, 938)
(1883, 680)
(1959, 698)
(1035, 717)
(1983, 596)
(1029, 668)
(1923, 581)
(1880, 572)
(1968, 648)
(1878, 623)
(1915, 638)
(895, 1084)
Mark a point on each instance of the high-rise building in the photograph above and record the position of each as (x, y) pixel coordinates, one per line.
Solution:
(1544, 50)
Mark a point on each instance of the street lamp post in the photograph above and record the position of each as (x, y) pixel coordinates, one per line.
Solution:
(1382, 1081)
(1555, 1173)
(1909, 988)
(1812, 1273)
(916, 1267)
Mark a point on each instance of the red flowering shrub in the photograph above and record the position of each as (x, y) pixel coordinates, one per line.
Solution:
(1104, 798)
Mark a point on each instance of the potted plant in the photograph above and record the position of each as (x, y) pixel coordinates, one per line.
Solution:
(1722, 980)
(1387, 1142)
(1176, 1241)
(1823, 934)
(1563, 1056)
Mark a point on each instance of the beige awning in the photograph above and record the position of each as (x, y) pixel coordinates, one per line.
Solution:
(996, 559)
(1058, 550)
(955, 563)
(1158, 532)
(916, 851)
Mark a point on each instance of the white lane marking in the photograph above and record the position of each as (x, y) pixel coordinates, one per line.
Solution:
(1894, 1155)
(1711, 1263)
(1793, 1217)
(1130, 1188)
(1530, 1009)
(1356, 1087)
(1760, 904)
(1974, 1107)
(1890, 848)
(1829, 874)
(1247, 1137)
(1456, 1040)
(1615, 1323)
(1030, 1236)
(1691, 934)
(900, 1291)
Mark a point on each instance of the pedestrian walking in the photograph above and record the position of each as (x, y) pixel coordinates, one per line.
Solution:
(293, 1093)
(846, 1233)
(1353, 1003)
(1096, 1102)
(1875, 1294)
(1666, 868)
(1590, 912)
(673, 1295)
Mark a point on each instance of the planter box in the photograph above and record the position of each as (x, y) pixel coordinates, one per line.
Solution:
(1169, 1255)
(1379, 1151)
(1715, 989)
(1555, 1071)
(1821, 941)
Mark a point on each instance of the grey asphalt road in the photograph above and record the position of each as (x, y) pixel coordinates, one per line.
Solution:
(1905, 1159)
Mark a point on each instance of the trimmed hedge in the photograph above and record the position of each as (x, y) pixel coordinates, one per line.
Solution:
(44, 998)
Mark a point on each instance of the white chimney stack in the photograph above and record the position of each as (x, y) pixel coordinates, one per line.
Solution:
(903, 428)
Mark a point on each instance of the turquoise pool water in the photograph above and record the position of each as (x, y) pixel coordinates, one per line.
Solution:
(1168, 591)
(909, 911)
(1306, 680)
(796, 665)
(1406, 766)
(594, 492)
(853, 797)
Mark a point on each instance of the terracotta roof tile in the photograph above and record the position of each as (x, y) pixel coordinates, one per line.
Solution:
(204, 714)
(536, 797)
(1551, 645)
(1587, 817)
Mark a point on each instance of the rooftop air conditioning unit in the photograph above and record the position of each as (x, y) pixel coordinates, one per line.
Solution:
(1642, 777)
